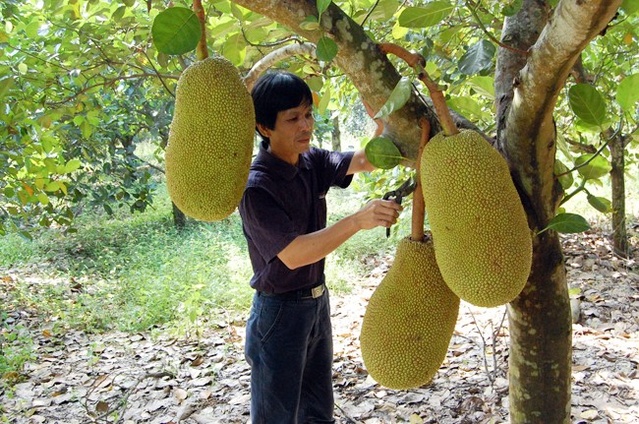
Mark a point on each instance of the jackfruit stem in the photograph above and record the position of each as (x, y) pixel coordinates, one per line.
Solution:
(201, 50)
(417, 62)
(419, 207)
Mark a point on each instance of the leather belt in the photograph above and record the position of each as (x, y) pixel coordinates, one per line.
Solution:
(312, 293)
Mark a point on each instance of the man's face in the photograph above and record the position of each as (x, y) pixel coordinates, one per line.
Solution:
(292, 133)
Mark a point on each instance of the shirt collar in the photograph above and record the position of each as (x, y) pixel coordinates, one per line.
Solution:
(277, 165)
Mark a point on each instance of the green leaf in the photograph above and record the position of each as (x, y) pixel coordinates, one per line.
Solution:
(5, 85)
(484, 85)
(326, 49)
(568, 223)
(602, 204)
(587, 104)
(421, 17)
(397, 99)
(72, 165)
(477, 58)
(310, 23)
(382, 153)
(510, 8)
(176, 30)
(628, 92)
(565, 178)
(630, 6)
(234, 49)
(596, 168)
(118, 14)
(322, 5)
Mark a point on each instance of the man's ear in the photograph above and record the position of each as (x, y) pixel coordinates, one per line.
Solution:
(263, 130)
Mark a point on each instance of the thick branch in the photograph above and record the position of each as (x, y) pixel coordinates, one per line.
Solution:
(368, 68)
(526, 127)
(274, 57)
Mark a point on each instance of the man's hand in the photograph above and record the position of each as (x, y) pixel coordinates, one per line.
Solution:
(378, 213)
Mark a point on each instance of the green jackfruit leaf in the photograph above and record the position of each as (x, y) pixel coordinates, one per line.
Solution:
(326, 49)
(628, 92)
(565, 178)
(382, 153)
(567, 223)
(602, 204)
(596, 167)
(477, 58)
(397, 99)
(588, 104)
(176, 30)
(421, 17)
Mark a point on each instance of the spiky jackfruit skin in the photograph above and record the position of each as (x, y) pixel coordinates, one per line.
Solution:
(409, 319)
(482, 241)
(210, 141)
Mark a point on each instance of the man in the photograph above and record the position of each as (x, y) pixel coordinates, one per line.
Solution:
(283, 209)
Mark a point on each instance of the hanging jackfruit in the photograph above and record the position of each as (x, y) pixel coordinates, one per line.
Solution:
(210, 140)
(409, 319)
(482, 241)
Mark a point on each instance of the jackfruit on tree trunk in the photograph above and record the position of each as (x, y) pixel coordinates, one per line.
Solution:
(482, 241)
(210, 140)
(409, 319)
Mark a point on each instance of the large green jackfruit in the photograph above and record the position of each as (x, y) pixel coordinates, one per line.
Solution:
(210, 141)
(482, 241)
(409, 319)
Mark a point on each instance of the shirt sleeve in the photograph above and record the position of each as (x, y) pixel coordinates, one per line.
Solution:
(335, 166)
(266, 222)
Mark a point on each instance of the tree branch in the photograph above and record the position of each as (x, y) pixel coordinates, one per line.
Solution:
(526, 128)
(274, 57)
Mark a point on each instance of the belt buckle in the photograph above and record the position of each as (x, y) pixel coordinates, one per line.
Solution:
(317, 291)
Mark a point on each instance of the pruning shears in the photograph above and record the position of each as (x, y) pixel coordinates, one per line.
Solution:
(399, 193)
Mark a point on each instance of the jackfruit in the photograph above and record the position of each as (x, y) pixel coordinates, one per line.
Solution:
(208, 155)
(409, 319)
(483, 245)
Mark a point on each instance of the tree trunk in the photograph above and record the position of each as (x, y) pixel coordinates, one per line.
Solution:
(336, 135)
(527, 87)
(617, 181)
(541, 342)
(179, 219)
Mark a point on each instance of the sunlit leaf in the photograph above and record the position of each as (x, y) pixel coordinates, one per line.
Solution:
(382, 153)
(595, 168)
(511, 7)
(630, 6)
(397, 99)
(628, 92)
(587, 103)
(421, 17)
(176, 30)
(326, 49)
(5, 86)
(568, 223)
(477, 58)
(322, 5)
(565, 178)
(310, 23)
(602, 204)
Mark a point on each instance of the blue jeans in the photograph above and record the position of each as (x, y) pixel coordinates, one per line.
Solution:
(289, 345)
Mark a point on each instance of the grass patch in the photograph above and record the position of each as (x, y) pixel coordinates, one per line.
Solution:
(134, 272)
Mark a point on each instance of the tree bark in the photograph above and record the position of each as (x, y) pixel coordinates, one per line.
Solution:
(527, 88)
(617, 181)
(336, 136)
(179, 219)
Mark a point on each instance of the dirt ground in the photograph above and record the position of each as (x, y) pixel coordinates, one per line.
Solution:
(157, 378)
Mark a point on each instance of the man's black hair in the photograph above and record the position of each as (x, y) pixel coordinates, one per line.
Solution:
(275, 92)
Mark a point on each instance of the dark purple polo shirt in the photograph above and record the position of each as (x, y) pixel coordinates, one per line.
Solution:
(281, 202)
